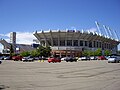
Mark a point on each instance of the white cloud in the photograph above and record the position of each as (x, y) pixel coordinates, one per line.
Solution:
(21, 37)
(24, 37)
(92, 30)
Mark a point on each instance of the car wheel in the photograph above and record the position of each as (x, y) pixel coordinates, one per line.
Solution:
(116, 61)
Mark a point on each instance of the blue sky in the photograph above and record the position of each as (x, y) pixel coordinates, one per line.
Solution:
(26, 16)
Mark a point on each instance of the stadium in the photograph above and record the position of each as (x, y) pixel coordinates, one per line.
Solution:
(74, 42)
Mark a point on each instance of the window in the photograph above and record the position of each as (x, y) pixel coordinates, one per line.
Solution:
(81, 43)
(90, 44)
(85, 43)
(75, 42)
(94, 44)
(55, 42)
(69, 42)
(62, 42)
(97, 44)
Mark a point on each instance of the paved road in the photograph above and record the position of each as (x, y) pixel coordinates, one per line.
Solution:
(82, 75)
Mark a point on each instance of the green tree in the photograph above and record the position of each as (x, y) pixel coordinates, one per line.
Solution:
(47, 51)
(11, 50)
(34, 53)
(98, 52)
(44, 51)
(107, 52)
(85, 53)
(25, 54)
(41, 50)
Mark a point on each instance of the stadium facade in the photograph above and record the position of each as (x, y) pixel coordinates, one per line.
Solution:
(73, 42)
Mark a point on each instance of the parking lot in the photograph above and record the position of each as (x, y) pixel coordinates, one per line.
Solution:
(81, 75)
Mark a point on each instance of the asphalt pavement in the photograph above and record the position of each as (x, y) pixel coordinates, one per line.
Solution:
(81, 75)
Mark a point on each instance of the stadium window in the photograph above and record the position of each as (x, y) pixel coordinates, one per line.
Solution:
(75, 42)
(55, 42)
(100, 44)
(97, 44)
(81, 43)
(109, 46)
(90, 44)
(62, 42)
(85, 43)
(69, 42)
(94, 44)
(105, 45)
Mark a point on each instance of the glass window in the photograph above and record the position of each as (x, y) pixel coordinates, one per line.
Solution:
(69, 42)
(90, 44)
(100, 44)
(81, 42)
(75, 42)
(94, 44)
(55, 42)
(85, 43)
(97, 45)
(62, 42)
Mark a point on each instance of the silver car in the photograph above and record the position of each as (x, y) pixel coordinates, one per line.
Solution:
(114, 59)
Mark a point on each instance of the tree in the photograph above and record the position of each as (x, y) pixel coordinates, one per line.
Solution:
(85, 53)
(47, 51)
(34, 53)
(25, 54)
(11, 50)
(98, 52)
(44, 51)
(107, 52)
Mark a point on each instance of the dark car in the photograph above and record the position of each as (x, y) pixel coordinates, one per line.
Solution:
(54, 60)
(71, 59)
(0, 61)
(7, 58)
(2, 57)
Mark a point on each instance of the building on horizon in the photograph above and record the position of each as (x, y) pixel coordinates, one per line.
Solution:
(18, 48)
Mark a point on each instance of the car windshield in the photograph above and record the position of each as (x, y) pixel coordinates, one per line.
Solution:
(113, 56)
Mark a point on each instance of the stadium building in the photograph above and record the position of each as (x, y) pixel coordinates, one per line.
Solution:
(73, 42)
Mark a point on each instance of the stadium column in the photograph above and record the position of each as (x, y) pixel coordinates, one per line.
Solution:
(65, 42)
(51, 38)
(78, 42)
(59, 44)
(72, 43)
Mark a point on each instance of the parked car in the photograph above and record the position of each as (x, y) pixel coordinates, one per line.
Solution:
(0, 61)
(102, 58)
(114, 59)
(2, 57)
(7, 58)
(83, 58)
(64, 58)
(93, 58)
(53, 59)
(17, 58)
(28, 59)
(71, 59)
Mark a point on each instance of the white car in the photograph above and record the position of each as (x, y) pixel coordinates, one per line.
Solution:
(114, 59)
(83, 58)
(28, 59)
